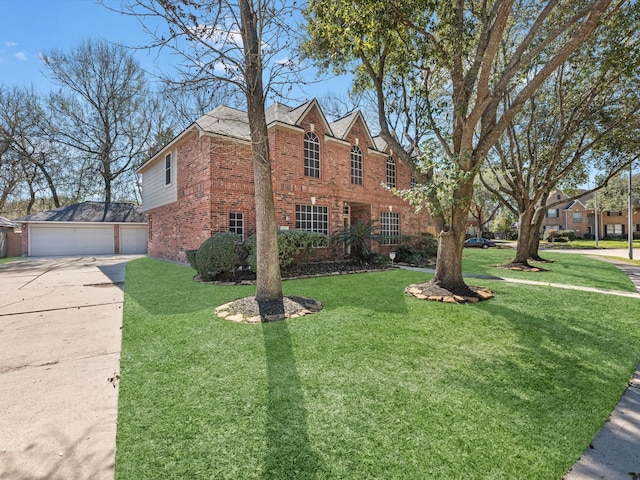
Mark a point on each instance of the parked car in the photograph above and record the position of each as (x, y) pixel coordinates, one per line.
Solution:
(479, 243)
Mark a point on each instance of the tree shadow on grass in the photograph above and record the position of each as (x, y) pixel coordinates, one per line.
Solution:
(288, 448)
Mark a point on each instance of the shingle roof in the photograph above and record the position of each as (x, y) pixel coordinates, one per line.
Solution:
(226, 121)
(380, 143)
(234, 123)
(342, 126)
(6, 223)
(90, 212)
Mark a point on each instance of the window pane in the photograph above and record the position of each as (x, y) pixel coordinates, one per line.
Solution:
(312, 218)
(311, 155)
(236, 223)
(167, 169)
(391, 172)
(356, 165)
(390, 227)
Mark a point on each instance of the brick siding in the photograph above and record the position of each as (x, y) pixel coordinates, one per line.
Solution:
(215, 177)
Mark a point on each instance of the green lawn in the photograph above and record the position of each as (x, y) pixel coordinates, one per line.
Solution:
(579, 243)
(569, 268)
(8, 259)
(377, 385)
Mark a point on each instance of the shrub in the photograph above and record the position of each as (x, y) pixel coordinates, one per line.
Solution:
(191, 258)
(588, 236)
(405, 253)
(414, 249)
(550, 235)
(290, 244)
(219, 255)
(427, 245)
(357, 237)
(561, 236)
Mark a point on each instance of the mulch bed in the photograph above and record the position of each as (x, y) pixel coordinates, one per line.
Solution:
(318, 269)
(433, 292)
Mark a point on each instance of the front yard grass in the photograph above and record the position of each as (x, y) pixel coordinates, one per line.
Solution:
(567, 268)
(378, 385)
(8, 259)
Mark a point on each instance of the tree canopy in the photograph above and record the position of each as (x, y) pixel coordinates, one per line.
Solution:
(449, 77)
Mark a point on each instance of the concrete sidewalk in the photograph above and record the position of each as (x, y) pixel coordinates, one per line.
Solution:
(60, 321)
(615, 451)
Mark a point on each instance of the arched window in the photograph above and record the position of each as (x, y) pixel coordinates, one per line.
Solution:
(356, 165)
(311, 155)
(391, 172)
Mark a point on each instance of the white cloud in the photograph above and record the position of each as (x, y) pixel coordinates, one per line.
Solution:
(21, 56)
(10, 44)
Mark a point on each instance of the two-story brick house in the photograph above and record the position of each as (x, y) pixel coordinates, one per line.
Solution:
(325, 176)
(579, 216)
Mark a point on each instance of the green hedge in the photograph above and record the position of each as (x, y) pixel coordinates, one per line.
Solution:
(220, 254)
(290, 244)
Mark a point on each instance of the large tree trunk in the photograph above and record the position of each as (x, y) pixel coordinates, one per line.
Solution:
(448, 272)
(268, 278)
(524, 238)
(534, 241)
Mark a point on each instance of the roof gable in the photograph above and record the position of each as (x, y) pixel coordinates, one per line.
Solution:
(343, 126)
(91, 212)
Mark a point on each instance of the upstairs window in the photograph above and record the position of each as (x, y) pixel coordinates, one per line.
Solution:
(391, 172)
(311, 155)
(356, 165)
(553, 213)
(167, 169)
(577, 217)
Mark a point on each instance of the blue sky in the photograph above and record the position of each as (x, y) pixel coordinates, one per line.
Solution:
(30, 27)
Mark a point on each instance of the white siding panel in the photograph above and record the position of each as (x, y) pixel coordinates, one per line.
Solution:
(45, 240)
(154, 191)
(133, 239)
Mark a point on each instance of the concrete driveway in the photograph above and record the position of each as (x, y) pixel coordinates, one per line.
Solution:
(60, 321)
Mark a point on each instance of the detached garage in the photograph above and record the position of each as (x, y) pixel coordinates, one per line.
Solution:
(88, 228)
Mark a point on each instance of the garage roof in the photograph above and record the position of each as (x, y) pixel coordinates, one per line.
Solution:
(92, 212)
(7, 223)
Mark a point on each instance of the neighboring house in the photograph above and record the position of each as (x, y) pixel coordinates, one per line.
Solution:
(574, 215)
(88, 228)
(325, 176)
(9, 240)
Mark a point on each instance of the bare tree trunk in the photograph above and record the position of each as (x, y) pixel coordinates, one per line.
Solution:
(268, 277)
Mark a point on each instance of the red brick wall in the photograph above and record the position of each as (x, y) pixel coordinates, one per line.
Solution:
(186, 223)
(24, 240)
(215, 177)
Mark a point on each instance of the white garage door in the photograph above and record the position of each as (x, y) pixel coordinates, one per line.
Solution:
(47, 240)
(133, 239)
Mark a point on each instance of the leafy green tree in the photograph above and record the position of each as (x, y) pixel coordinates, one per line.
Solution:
(442, 73)
(586, 115)
(504, 223)
(614, 196)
